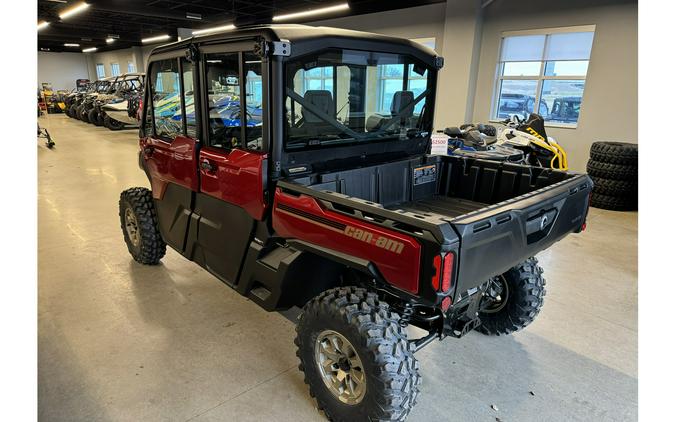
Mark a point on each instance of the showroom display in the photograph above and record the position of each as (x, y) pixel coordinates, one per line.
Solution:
(125, 86)
(614, 169)
(322, 196)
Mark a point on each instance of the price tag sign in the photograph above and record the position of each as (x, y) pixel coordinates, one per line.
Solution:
(439, 144)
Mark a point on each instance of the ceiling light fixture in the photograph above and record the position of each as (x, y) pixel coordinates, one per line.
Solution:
(110, 40)
(321, 11)
(154, 39)
(195, 16)
(71, 44)
(74, 10)
(214, 29)
(42, 25)
(89, 50)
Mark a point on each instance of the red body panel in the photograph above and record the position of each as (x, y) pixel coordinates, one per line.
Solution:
(170, 162)
(237, 178)
(397, 256)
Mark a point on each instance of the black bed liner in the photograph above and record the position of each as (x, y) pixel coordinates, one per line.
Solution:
(443, 205)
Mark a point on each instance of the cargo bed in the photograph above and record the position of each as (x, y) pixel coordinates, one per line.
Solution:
(443, 205)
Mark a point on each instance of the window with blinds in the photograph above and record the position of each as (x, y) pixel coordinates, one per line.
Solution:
(543, 72)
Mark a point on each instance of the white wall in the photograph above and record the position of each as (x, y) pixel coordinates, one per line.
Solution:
(61, 69)
(610, 104)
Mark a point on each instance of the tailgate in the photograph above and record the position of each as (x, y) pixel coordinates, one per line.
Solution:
(498, 237)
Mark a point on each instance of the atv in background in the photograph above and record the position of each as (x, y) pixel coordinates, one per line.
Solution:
(102, 86)
(72, 99)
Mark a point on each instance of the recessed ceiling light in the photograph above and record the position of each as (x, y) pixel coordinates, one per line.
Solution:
(73, 10)
(89, 50)
(42, 25)
(71, 44)
(320, 11)
(155, 39)
(110, 40)
(214, 29)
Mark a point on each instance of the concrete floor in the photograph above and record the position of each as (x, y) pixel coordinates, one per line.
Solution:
(123, 342)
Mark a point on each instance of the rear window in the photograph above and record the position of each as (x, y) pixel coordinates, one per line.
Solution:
(340, 97)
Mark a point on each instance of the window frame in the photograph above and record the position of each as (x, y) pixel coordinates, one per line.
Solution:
(113, 65)
(150, 108)
(541, 77)
(102, 66)
(240, 48)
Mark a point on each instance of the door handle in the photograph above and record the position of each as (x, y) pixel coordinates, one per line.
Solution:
(207, 166)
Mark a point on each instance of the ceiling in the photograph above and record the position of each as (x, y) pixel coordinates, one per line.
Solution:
(132, 20)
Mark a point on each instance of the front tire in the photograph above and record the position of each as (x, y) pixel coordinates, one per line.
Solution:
(517, 298)
(356, 357)
(140, 227)
(112, 124)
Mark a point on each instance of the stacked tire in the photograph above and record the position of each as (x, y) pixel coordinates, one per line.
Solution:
(614, 169)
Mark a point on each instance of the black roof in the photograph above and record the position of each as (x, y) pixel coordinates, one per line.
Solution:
(299, 34)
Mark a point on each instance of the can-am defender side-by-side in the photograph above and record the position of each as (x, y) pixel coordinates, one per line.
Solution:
(280, 162)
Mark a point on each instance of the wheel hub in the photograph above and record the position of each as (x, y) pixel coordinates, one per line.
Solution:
(131, 226)
(340, 367)
(497, 294)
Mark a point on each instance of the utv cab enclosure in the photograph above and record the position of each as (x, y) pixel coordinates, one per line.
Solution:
(291, 163)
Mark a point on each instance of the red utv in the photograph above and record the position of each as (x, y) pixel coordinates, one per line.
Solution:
(291, 163)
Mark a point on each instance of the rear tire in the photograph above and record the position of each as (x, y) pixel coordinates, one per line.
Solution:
(140, 227)
(522, 297)
(373, 357)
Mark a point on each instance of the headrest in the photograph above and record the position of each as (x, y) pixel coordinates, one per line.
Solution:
(321, 99)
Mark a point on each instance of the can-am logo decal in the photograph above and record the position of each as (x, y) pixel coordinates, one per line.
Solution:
(373, 239)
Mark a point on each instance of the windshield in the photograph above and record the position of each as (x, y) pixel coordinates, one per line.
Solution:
(339, 97)
(103, 86)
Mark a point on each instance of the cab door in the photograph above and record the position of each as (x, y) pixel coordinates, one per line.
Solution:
(169, 146)
(233, 161)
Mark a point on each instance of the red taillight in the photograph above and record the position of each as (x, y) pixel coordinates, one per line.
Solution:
(443, 279)
(436, 279)
(445, 304)
(448, 262)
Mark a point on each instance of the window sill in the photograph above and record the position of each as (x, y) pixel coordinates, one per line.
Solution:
(555, 125)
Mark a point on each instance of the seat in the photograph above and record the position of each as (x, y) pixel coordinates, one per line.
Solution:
(321, 99)
(399, 102)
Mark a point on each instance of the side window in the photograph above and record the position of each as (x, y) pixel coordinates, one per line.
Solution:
(222, 82)
(165, 91)
(189, 99)
(254, 94)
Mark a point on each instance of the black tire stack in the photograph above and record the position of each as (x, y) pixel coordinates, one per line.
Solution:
(614, 169)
